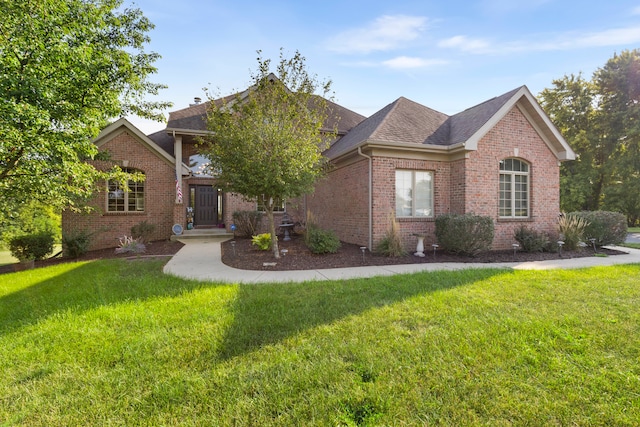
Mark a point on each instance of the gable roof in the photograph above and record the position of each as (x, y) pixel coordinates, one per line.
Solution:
(405, 122)
(123, 125)
(193, 119)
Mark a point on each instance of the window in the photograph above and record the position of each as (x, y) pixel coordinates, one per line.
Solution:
(414, 193)
(278, 205)
(514, 189)
(130, 199)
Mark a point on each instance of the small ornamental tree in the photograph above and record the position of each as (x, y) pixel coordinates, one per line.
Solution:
(266, 143)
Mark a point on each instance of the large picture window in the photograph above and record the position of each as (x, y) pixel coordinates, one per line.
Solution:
(414, 193)
(129, 199)
(514, 189)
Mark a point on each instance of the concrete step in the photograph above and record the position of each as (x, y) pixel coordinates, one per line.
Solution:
(204, 233)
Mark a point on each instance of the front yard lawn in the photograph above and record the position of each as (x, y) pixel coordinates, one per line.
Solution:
(116, 342)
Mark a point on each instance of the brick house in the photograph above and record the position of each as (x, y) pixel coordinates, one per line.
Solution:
(500, 159)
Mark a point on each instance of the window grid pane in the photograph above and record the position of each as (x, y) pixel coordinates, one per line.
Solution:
(514, 189)
(119, 200)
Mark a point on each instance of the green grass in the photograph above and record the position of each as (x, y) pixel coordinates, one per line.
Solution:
(116, 342)
(6, 258)
(634, 230)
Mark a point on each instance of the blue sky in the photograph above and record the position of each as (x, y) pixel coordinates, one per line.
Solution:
(447, 55)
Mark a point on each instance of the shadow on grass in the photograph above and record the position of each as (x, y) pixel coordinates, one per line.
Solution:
(80, 287)
(266, 314)
(262, 314)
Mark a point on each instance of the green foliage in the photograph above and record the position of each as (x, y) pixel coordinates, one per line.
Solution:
(391, 243)
(266, 143)
(531, 240)
(75, 243)
(130, 245)
(262, 241)
(466, 234)
(608, 228)
(32, 246)
(321, 241)
(68, 67)
(599, 118)
(571, 228)
(247, 222)
(143, 231)
(31, 218)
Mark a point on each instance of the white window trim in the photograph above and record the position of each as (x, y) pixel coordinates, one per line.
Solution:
(512, 176)
(413, 186)
(277, 209)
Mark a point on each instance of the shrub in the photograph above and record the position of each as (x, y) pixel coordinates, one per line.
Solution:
(531, 240)
(32, 246)
(321, 241)
(76, 243)
(466, 234)
(571, 229)
(608, 228)
(262, 241)
(129, 244)
(143, 231)
(391, 243)
(247, 222)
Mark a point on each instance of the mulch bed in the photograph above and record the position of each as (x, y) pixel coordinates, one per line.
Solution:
(161, 248)
(298, 257)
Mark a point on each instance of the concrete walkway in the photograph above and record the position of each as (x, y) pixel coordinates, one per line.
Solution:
(200, 259)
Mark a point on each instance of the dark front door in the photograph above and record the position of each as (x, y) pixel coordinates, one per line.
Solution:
(206, 206)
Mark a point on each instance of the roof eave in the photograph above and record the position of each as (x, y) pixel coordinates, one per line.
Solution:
(372, 145)
(182, 131)
(125, 124)
(527, 104)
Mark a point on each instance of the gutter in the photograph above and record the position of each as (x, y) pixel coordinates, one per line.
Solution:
(370, 196)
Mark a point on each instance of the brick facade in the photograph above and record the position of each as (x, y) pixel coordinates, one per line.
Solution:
(465, 176)
(468, 185)
(159, 196)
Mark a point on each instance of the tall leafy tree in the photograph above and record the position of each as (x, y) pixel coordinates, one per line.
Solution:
(266, 143)
(601, 120)
(67, 67)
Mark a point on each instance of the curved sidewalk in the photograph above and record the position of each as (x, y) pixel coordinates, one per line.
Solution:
(201, 260)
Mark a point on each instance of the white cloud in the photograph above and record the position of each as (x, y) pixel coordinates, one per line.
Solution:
(566, 41)
(385, 33)
(466, 44)
(406, 62)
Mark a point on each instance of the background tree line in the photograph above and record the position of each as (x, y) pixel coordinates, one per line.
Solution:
(600, 118)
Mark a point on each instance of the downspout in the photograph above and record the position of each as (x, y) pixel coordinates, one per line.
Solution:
(370, 196)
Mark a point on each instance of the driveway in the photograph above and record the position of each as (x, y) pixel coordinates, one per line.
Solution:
(633, 238)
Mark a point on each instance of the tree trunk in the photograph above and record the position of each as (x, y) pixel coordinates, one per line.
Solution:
(272, 231)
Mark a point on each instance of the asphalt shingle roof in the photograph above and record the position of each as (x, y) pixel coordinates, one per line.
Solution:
(195, 117)
(405, 121)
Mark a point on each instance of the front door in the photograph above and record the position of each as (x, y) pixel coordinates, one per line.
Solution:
(205, 206)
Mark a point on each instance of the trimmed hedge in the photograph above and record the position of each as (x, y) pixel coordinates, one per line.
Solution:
(76, 243)
(466, 234)
(531, 240)
(608, 228)
(32, 246)
(321, 241)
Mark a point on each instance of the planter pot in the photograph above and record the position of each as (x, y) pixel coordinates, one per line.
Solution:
(23, 265)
